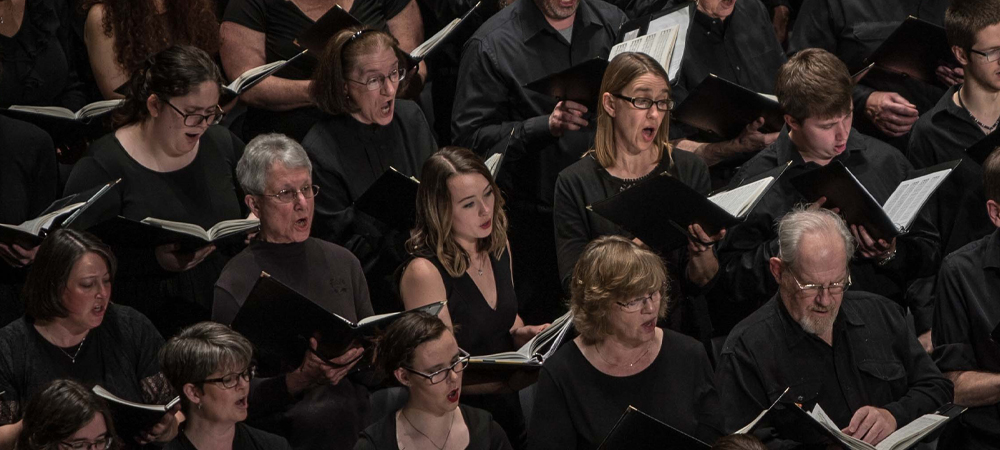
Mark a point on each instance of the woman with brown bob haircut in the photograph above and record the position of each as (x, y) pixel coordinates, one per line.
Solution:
(630, 147)
(461, 255)
(621, 358)
(72, 330)
(369, 132)
(65, 415)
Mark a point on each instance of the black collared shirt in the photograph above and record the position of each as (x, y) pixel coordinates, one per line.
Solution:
(967, 311)
(743, 255)
(958, 208)
(874, 361)
(514, 47)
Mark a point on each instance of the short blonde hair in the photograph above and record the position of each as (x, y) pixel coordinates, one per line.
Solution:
(612, 269)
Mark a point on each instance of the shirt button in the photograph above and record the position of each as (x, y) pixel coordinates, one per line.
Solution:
(799, 399)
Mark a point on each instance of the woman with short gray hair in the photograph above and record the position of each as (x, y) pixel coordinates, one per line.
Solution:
(211, 366)
(277, 177)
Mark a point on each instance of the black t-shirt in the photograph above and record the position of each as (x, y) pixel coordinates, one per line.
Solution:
(484, 433)
(576, 405)
(246, 438)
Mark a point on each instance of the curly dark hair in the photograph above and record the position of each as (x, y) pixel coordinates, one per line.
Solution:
(140, 31)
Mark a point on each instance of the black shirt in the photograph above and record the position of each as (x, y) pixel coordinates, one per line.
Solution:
(576, 405)
(246, 438)
(515, 47)
(484, 433)
(744, 253)
(958, 208)
(966, 314)
(874, 361)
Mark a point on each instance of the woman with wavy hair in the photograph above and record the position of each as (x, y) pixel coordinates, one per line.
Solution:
(461, 255)
(121, 34)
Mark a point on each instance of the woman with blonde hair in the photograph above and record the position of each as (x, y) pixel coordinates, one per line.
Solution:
(461, 255)
(631, 146)
(621, 358)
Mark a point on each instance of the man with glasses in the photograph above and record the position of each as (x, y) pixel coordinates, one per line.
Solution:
(814, 89)
(846, 350)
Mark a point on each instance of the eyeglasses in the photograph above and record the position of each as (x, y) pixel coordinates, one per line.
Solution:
(990, 55)
(193, 120)
(289, 195)
(646, 103)
(637, 304)
(441, 375)
(377, 81)
(815, 290)
(103, 443)
(230, 381)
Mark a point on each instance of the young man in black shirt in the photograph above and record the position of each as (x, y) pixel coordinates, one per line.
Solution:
(522, 43)
(966, 313)
(814, 89)
(848, 351)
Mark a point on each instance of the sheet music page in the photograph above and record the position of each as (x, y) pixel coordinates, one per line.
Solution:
(427, 45)
(823, 419)
(682, 20)
(906, 201)
(912, 430)
(736, 201)
(658, 45)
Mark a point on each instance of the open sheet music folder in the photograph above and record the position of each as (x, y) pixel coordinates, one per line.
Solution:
(680, 16)
(724, 109)
(75, 211)
(843, 190)
(391, 199)
(915, 48)
(637, 430)
(580, 83)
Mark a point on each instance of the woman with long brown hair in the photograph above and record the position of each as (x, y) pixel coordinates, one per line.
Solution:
(121, 34)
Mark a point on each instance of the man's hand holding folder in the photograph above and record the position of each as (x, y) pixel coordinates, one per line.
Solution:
(315, 370)
(567, 116)
(17, 256)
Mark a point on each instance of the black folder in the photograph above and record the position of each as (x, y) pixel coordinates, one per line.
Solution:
(279, 320)
(580, 83)
(916, 48)
(69, 134)
(640, 27)
(499, 153)
(391, 199)
(81, 219)
(658, 210)
(132, 418)
(724, 109)
(982, 149)
(637, 430)
(122, 231)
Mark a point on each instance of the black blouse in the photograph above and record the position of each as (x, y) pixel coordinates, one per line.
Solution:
(246, 438)
(484, 433)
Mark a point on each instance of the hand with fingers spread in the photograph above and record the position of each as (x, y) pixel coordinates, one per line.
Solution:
(567, 116)
(871, 424)
(172, 259)
(871, 248)
(751, 139)
(891, 113)
(17, 256)
(950, 76)
(314, 371)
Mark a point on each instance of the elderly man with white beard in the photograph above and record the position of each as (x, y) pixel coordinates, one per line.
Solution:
(849, 351)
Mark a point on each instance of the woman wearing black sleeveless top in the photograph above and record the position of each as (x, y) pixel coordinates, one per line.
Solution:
(461, 255)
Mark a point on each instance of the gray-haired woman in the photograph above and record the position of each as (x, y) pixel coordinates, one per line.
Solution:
(276, 174)
(211, 366)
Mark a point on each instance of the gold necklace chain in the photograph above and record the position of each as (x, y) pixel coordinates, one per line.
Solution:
(450, 426)
(633, 363)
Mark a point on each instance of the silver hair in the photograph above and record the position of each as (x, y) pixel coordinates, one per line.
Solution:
(200, 350)
(262, 152)
(801, 221)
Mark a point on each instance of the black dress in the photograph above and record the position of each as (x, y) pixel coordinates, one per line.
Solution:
(576, 405)
(28, 183)
(484, 433)
(282, 22)
(481, 330)
(204, 193)
(246, 438)
(347, 157)
(37, 67)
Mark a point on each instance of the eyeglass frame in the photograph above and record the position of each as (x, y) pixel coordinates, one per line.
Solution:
(88, 445)
(638, 301)
(995, 52)
(202, 117)
(247, 374)
(463, 359)
(376, 82)
(314, 188)
(820, 288)
(632, 100)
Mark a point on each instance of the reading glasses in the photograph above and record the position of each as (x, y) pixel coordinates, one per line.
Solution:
(441, 375)
(815, 290)
(990, 55)
(646, 103)
(103, 443)
(289, 195)
(230, 381)
(637, 304)
(375, 82)
(193, 120)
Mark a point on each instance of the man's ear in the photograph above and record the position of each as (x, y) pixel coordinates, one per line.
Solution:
(793, 124)
(960, 55)
(251, 202)
(993, 210)
(776, 268)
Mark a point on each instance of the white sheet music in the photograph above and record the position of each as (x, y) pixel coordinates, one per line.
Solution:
(906, 201)
(658, 45)
(738, 200)
(912, 432)
(682, 20)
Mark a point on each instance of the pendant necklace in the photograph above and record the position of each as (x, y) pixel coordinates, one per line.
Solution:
(974, 119)
(631, 364)
(72, 358)
(439, 447)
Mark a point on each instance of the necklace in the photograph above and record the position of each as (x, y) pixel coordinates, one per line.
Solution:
(482, 263)
(72, 358)
(974, 119)
(450, 426)
(631, 364)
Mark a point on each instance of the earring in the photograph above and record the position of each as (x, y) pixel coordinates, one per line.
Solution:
(199, 406)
